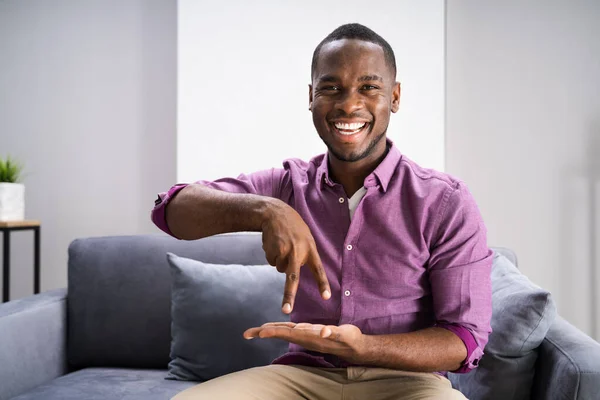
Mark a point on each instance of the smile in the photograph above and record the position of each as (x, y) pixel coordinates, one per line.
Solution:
(350, 132)
(349, 129)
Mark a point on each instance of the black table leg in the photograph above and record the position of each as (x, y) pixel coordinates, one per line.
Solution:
(36, 265)
(6, 266)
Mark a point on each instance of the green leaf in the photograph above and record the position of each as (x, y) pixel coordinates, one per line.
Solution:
(10, 170)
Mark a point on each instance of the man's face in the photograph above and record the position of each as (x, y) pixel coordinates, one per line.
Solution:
(352, 94)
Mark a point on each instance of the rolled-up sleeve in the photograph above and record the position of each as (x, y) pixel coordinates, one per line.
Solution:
(264, 183)
(460, 274)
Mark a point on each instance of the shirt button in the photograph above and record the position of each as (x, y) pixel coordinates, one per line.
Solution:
(349, 247)
(347, 293)
(341, 199)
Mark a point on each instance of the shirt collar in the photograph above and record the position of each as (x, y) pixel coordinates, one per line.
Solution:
(381, 175)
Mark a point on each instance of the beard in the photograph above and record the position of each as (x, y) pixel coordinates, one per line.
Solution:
(355, 156)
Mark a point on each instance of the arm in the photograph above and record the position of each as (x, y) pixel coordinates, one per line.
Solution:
(198, 211)
(427, 350)
(459, 267)
(247, 203)
(211, 207)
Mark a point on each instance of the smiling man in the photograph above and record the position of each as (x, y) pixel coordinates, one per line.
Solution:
(387, 266)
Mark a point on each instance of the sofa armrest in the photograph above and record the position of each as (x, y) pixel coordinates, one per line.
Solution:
(32, 341)
(568, 366)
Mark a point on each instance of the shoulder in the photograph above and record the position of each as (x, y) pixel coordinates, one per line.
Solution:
(440, 193)
(301, 169)
(426, 180)
(302, 165)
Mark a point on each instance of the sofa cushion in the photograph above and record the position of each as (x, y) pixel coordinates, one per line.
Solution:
(120, 294)
(108, 384)
(212, 305)
(521, 317)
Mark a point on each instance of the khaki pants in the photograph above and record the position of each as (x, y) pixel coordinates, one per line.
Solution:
(286, 382)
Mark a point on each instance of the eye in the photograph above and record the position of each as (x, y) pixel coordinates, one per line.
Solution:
(369, 87)
(331, 88)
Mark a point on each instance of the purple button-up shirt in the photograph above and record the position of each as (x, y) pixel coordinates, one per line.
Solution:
(413, 256)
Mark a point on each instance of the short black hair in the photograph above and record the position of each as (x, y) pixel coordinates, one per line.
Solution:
(360, 32)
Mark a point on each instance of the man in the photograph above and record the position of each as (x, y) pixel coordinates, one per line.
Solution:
(387, 266)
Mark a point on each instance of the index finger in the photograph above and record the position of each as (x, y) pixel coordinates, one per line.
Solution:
(292, 278)
(316, 266)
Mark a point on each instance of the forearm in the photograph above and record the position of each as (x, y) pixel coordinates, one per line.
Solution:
(197, 212)
(427, 350)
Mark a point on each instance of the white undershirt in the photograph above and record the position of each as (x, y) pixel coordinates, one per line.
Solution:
(355, 199)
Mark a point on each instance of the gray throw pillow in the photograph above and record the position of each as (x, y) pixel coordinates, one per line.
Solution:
(521, 317)
(211, 306)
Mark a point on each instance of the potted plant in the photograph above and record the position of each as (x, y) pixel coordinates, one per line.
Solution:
(12, 191)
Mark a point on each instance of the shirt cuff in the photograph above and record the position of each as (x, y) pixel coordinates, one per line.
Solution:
(474, 352)
(160, 204)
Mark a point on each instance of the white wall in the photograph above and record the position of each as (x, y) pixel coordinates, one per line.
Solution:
(523, 130)
(87, 102)
(244, 70)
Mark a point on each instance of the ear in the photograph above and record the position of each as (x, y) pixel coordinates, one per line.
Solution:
(396, 97)
(309, 97)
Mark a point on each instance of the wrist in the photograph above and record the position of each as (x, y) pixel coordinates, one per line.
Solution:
(362, 349)
(265, 210)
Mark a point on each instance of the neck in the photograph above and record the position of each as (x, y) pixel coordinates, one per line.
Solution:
(351, 175)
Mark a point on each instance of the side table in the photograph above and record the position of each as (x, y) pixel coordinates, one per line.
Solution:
(6, 227)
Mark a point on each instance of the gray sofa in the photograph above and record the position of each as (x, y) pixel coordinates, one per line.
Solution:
(108, 337)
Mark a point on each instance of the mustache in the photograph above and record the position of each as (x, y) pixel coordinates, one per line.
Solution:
(349, 116)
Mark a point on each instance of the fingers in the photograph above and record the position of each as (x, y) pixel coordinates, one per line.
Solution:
(310, 336)
(316, 266)
(276, 332)
(281, 264)
(301, 333)
(251, 333)
(286, 331)
(290, 264)
(271, 259)
(309, 327)
(286, 324)
(331, 332)
(292, 279)
(254, 332)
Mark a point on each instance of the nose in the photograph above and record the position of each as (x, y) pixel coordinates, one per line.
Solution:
(350, 102)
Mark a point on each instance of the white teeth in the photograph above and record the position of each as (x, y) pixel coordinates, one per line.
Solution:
(349, 132)
(355, 126)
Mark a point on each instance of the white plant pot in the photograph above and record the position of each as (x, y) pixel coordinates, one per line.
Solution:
(12, 201)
